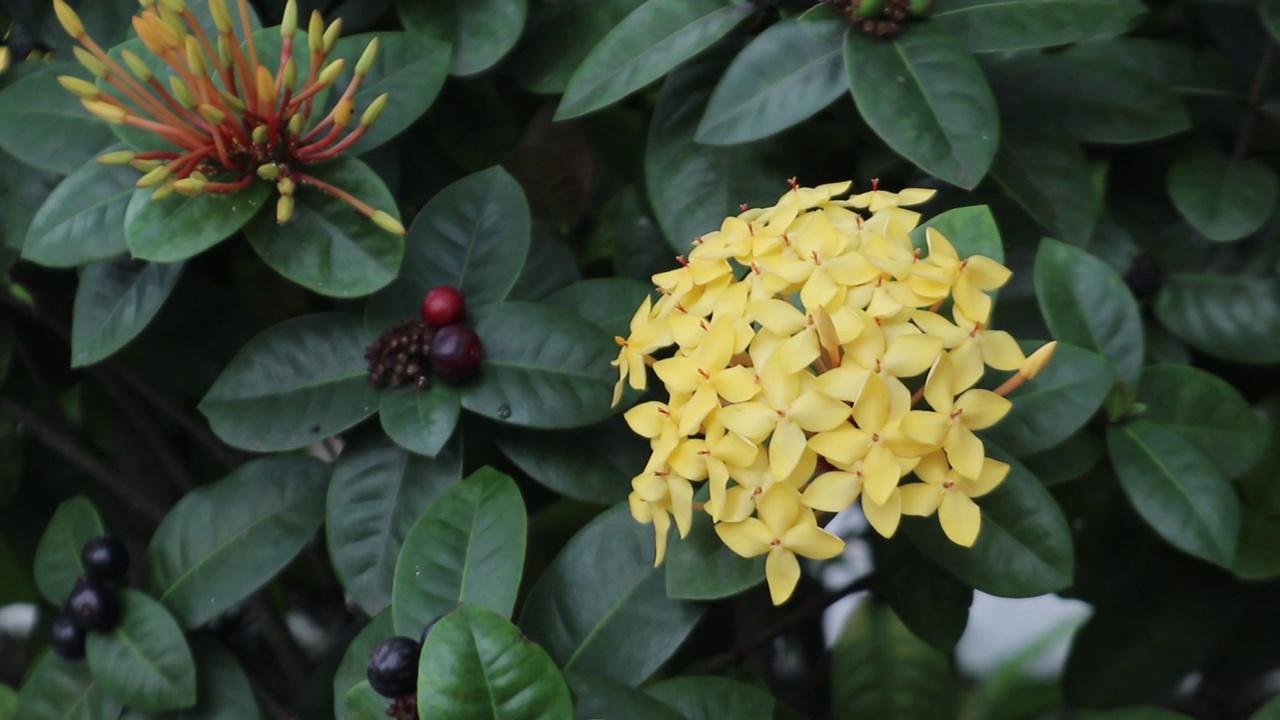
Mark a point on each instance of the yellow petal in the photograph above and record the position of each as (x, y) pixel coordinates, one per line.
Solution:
(704, 400)
(936, 325)
(985, 273)
(782, 570)
(843, 445)
(739, 503)
(681, 493)
(970, 300)
(799, 351)
(716, 349)
(933, 468)
(679, 374)
(921, 499)
(785, 448)
(779, 385)
(816, 412)
(777, 316)
(851, 269)
(966, 358)
(927, 429)
(832, 491)
(960, 518)
(964, 451)
(641, 511)
(941, 250)
(1000, 350)
(871, 410)
(689, 459)
(844, 382)
(813, 542)
(748, 538)
(982, 408)
(780, 509)
(736, 384)
(733, 449)
(661, 528)
(884, 518)
(752, 420)
(647, 419)
(910, 355)
(993, 473)
(939, 388)
(880, 474)
(717, 481)
(819, 289)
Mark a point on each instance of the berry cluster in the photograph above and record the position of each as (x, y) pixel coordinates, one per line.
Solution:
(407, 354)
(881, 18)
(92, 605)
(393, 672)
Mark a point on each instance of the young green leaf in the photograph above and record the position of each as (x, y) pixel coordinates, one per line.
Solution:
(145, 661)
(58, 565)
(421, 421)
(183, 226)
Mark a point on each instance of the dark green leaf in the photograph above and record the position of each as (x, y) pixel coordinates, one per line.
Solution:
(477, 666)
(377, 493)
(468, 547)
(780, 79)
(1223, 198)
(1087, 304)
(972, 230)
(583, 610)
(925, 96)
(294, 384)
(929, 601)
(593, 464)
(1024, 547)
(711, 698)
(328, 247)
(1057, 403)
(559, 37)
(481, 31)
(879, 669)
(601, 698)
(1269, 11)
(183, 226)
(355, 662)
(145, 661)
(702, 567)
(396, 303)
(1186, 69)
(1133, 713)
(116, 300)
(223, 688)
(1207, 412)
(421, 421)
(23, 190)
(1177, 489)
(552, 265)
(1045, 171)
(648, 44)
(1270, 711)
(1068, 460)
(8, 702)
(543, 367)
(364, 703)
(45, 126)
(82, 221)
(473, 235)
(75, 523)
(1003, 25)
(1237, 318)
(60, 689)
(607, 302)
(224, 541)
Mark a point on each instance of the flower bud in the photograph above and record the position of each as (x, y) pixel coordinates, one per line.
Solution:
(103, 111)
(284, 209)
(920, 8)
(315, 32)
(147, 35)
(173, 21)
(261, 135)
(181, 92)
(120, 158)
(70, 21)
(289, 23)
(76, 86)
(233, 102)
(212, 114)
(144, 166)
(330, 74)
(286, 186)
(91, 63)
(296, 125)
(136, 65)
(195, 58)
(189, 186)
(1037, 360)
(221, 16)
(332, 34)
(367, 57)
(266, 87)
(388, 223)
(290, 75)
(162, 192)
(153, 178)
(177, 6)
(268, 171)
(375, 108)
(342, 114)
(225, 58)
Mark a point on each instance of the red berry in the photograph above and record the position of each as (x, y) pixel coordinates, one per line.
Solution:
(443, 306)
(456, 353)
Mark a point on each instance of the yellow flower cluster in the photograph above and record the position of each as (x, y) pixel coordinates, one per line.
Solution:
(796, 330)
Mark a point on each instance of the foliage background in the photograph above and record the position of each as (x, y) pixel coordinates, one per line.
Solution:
(574, 148)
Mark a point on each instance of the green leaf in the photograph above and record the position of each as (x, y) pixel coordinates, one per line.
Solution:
(468, 547)
(364, 703)
(929, 601)
(475, 665)
(294, 384)
(355, 662)
(23, 190)
(607, 302)
(1087, 304)
(474, 235)
(1237, 318)
(543, 367)
(925, 96)
(1024, 547)
(1061, 399)
(8, 702)
(598, 697)
(410, 68)
(649, 43)
(116, 300)
(57, 561)
(1045, 171)
(692, 187)
(1177, 489)
(328, 247)
(1270, 711)
(551, 266)
(702, 567)
(223, 688)
(45, 126)
(59, 689)
(1004, 25)
(223, 541)
(421, 421)
(1224, 199)
(593, 464)
(1269, 11)
(879, 669)
(145, 661)
(482, 32)
(1186, 69)
(183, 226)
(559, 37)
(1205, 411)
(583, 610)
(972, 230)
(82, 221)
(780, 79)
(377, 493)
(711, 698)
(396, 303)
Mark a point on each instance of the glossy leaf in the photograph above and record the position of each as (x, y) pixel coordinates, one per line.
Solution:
(223, 689)
(582, 610)
(223, 541)
(45, 126)
(929, 601)
(1177, 489)
(145, 661)
(115, 301)
(183, 226)
(780, 79)
(926, 97)
(702, 567)
(593, 464)
(1207, 412)
(363, 703)
(972, 230)
(59, 689)
(294, 384)
(1187, 70)
(649, 43)
(474, 235)
(355, 662)
(543, 367)
(559, 37)
(1004, 25)
(1222, 198)
(477, 666)
(1087, 304)
(57, 563)
(1061, 399)
(482, 32)
(607, 302)
(1269, 711)
(1045, 171)
(421, 421)
(1237, 318)
(396, 303)
(82, 221)
(710, 697)
(328, 247)
(597, 697)
(377, 493)
(468, 547)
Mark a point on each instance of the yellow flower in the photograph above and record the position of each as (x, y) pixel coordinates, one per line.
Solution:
(971, 344)
(646, 335)
(973, 410)
(974, 276)
(706, 375)
(951, 494)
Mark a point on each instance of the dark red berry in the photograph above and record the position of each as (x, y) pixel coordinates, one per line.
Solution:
(93, 606)
(66, 638)
(456, 353)
(443, 306)
(105, 558)
(393, 667)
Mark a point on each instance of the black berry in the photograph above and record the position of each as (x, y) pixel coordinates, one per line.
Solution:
(443, 306)
(105, 558)
(66, 638)
(456, 353)
(93, 606)
(393, 667)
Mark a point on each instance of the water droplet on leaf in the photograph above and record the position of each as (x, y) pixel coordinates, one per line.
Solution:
(504, 412)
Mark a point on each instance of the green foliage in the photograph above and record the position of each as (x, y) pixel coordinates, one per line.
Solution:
(885, 671)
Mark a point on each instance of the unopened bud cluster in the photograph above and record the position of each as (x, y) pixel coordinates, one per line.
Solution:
(441, 343)
(881, 18)
(231, 119)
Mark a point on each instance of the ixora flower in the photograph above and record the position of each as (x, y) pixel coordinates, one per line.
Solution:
(224, 120)
(791, 387)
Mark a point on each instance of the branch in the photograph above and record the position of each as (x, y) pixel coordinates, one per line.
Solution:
(1256, 94)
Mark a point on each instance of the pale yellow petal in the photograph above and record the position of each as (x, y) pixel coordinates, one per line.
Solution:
(982, 408)
(799, 351)
(933, 468)
(752, 420)
(871, 410)
(993, 473)
(704, 400)
(941, 251)
(1000, 350)
(844, 382)
(777, 316)
(884, 518)
(811, 541)
(920, 432)
(735, 384)
(966, 358)
(832, 491)
(939, 387)
(972, 301)
(782, 571)
(681, 493)
(843, 445)
(960, 518)
(785, 448)
(689, 459)
(910, 355)
(780, 509)
(747, 538)
(985, 273)
(936, 325)
(921, 499)
(816, 412)
(880, 474)
(679, 374)
(733, 449)
(661, 528)
(964, 451)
